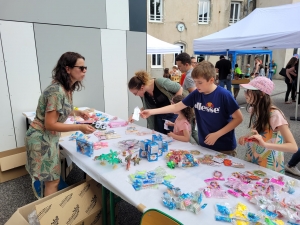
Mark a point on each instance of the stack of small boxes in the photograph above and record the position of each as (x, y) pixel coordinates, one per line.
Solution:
(152, 149)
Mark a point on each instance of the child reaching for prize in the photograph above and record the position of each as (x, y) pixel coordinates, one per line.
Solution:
(182, 126)
(216, 111)
(270, 136)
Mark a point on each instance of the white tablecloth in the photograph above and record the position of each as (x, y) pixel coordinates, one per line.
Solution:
(187, 179)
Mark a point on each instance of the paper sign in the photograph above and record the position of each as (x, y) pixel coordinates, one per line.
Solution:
(136, 114)
(165, 125)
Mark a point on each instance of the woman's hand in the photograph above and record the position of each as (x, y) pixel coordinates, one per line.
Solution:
(86, 129)
(84, 115)
(145, 113)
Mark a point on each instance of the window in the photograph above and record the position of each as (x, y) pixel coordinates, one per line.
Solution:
(200, 58)
(295, 51)
(156, 10)
(182, 46)
(235, 12)
(248, 59)
(204, 12)
(156, 61)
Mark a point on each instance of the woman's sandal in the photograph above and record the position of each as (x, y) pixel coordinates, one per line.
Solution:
(288, 103)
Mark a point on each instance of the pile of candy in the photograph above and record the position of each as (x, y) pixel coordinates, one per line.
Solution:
(106, 135)
(213, 189)
(130, 145)
(240, 215)
(219, 160)
(181, 158)
(250, 184)
(151, 179)
(265, 193)
(114, 124)
(100, 121)
(131, 130)
(174, 199)
(153, 149)
(111, 158)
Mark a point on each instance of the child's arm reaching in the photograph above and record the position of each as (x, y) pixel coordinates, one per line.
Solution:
(184, 138)
(167, 109)
(237, 118)
(289, 144)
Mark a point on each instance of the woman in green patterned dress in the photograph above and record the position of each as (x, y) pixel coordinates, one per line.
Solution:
(54, 106)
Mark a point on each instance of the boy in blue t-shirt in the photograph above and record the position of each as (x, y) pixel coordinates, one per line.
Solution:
(217, 113)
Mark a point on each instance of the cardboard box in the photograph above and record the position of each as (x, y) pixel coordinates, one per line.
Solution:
(21, 215)
(73, 206)
(12, 164)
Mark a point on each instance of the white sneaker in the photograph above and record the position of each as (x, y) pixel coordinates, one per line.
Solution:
(293, 170)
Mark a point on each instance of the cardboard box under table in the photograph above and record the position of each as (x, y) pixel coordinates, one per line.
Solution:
(12, 164)
(71, 206)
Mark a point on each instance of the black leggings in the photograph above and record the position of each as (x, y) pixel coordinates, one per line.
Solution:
(290, 87)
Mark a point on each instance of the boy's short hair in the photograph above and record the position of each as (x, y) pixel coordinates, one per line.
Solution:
(205, 70)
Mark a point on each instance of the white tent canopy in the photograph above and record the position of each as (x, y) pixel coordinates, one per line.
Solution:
(156, 46)
(272, 28)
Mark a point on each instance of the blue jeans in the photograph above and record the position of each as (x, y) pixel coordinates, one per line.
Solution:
(271, 73)
(295, 159)
(160, 122)
(226, 82)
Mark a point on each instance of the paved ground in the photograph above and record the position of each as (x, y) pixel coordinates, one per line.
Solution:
(18, 192)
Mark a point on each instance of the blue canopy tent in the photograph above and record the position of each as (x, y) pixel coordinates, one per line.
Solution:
(235, 53)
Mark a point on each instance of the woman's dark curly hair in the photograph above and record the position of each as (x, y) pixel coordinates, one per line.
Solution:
(60, 75)
(188, 111)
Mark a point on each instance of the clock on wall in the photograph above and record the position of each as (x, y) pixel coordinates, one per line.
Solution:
(180, 27)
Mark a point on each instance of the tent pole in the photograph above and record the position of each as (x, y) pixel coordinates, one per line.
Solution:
(297, 97)
(270, 67)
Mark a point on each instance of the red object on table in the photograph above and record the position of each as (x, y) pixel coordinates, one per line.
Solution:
(227, 162)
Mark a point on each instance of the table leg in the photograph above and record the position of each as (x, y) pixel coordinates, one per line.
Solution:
(112, 207)
(104, 206)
